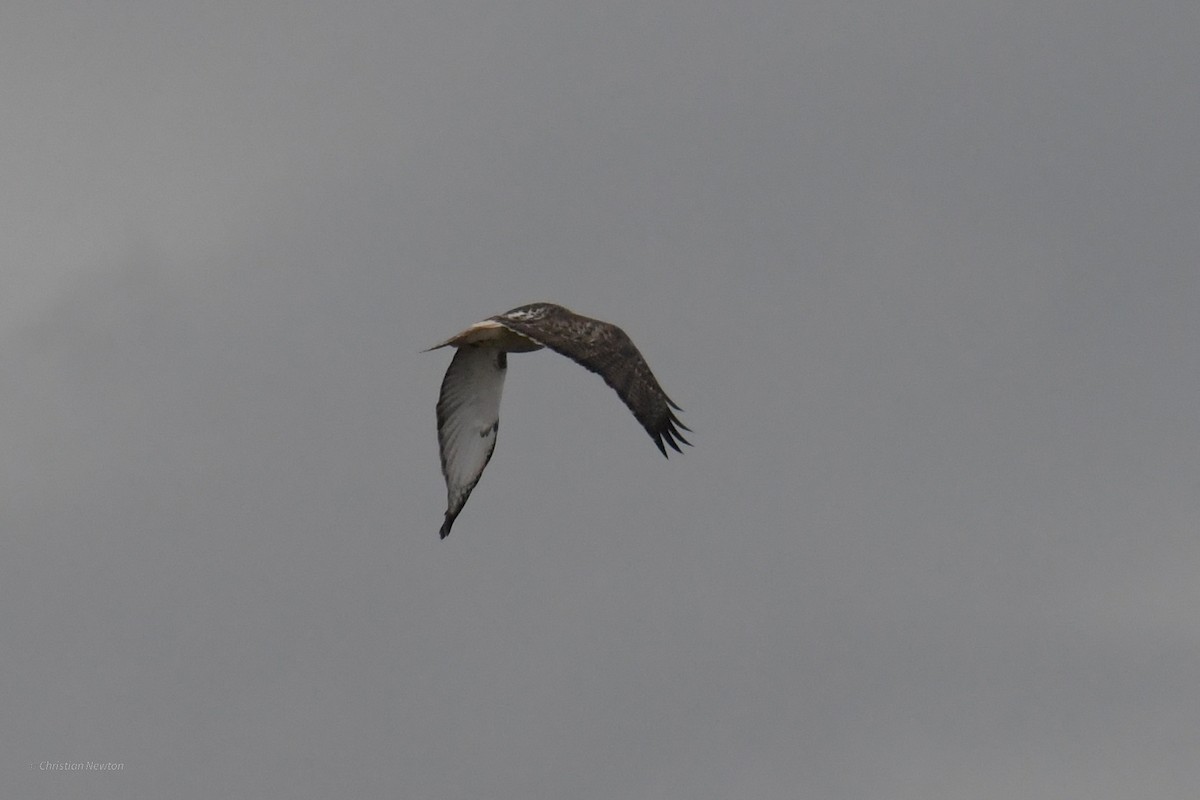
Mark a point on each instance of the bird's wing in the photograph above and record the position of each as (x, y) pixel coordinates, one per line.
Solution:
(608, 351)
(468, 416)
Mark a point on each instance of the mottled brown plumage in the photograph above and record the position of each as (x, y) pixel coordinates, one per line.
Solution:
(606, 350)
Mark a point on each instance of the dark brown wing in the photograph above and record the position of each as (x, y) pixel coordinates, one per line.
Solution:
(606, 350)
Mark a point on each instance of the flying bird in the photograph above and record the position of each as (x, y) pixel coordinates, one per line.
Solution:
(468, 409)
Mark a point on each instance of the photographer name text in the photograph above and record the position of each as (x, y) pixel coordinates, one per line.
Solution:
(79, 766)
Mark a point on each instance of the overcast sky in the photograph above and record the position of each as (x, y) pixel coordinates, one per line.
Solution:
(923, 274)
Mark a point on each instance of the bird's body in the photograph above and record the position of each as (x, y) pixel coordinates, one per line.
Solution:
(469, 404)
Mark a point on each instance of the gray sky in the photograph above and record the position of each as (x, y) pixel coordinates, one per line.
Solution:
(922, 274)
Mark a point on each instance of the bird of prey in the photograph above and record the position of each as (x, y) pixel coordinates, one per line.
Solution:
(468, 409)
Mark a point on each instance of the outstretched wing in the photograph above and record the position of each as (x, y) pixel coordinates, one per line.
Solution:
(608, 351)
(468, 416)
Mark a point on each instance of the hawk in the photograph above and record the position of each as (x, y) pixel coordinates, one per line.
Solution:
(468, 409)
